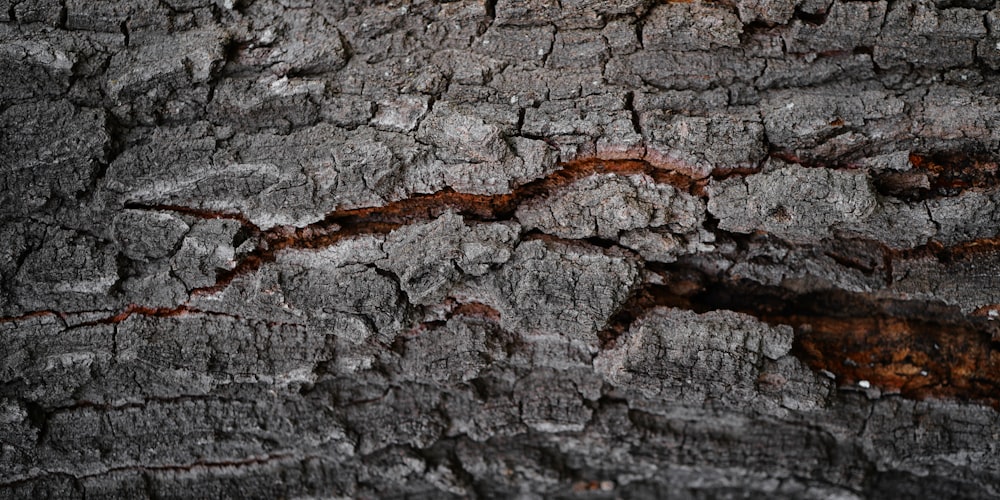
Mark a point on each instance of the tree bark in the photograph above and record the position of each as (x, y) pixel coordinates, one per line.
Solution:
(625, 249)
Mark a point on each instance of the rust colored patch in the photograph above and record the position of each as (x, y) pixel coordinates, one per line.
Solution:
(581, 486)
(914, 348)
(349, 223)
(946, 173)
(167, 312)
(964, 251)
(31, 315)
(989, 311)
(970, 249)
(917, 349)
(786, 156)
(476, 310)
(139, 310)
(916, 357)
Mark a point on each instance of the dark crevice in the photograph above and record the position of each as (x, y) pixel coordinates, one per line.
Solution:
(243, 234)
(831, 326)
(491, 9)
(168, 467)
(114, 147)
(149, 485)
(39, 419)
(847, 261)
(117, 134)
(22, 257)
(640, 23)
(647, 297)
(123, 27)
(594, 241)
(250, 228)
(961, 252)
(124, 269)
(754, 28)
(937, 174)
(391, 276)
(63, 15)
(814, 19)
(634, 115)
(232, 48)
(349, 51)
(966, 4)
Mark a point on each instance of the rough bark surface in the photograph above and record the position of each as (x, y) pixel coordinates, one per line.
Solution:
(600, 249)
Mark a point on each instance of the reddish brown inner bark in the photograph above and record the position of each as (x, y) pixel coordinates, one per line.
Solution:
(914, 348)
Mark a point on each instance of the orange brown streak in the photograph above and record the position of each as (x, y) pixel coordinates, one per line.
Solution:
(986, 310)
(891, 344)
(916, 358)
(913, 348)
(477, 310)
(347, 223)
(198, 212)
(249, 264)
(139, 310)
(959, 251)
(31, 315)
(950, 173)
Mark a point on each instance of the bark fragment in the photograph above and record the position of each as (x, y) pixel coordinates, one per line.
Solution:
(495, 249)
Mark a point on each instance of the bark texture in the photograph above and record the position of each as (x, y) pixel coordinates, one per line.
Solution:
(599, 249)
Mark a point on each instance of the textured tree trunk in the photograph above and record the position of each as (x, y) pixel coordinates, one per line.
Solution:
(636, 249)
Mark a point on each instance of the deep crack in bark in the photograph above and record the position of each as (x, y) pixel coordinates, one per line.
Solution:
(916, 348)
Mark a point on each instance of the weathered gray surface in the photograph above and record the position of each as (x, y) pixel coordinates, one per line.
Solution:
(148, 148)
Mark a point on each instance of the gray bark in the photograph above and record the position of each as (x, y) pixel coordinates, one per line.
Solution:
(309, 249)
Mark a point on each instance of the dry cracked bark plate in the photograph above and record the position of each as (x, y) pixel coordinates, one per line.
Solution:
(310, 249)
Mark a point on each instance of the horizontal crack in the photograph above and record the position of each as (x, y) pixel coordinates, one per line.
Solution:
(965, 250)
(35, 314)
(195, 212)
(198, 464)
(911, 347)
(942, 174)
(135, 310)
(344, 224)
